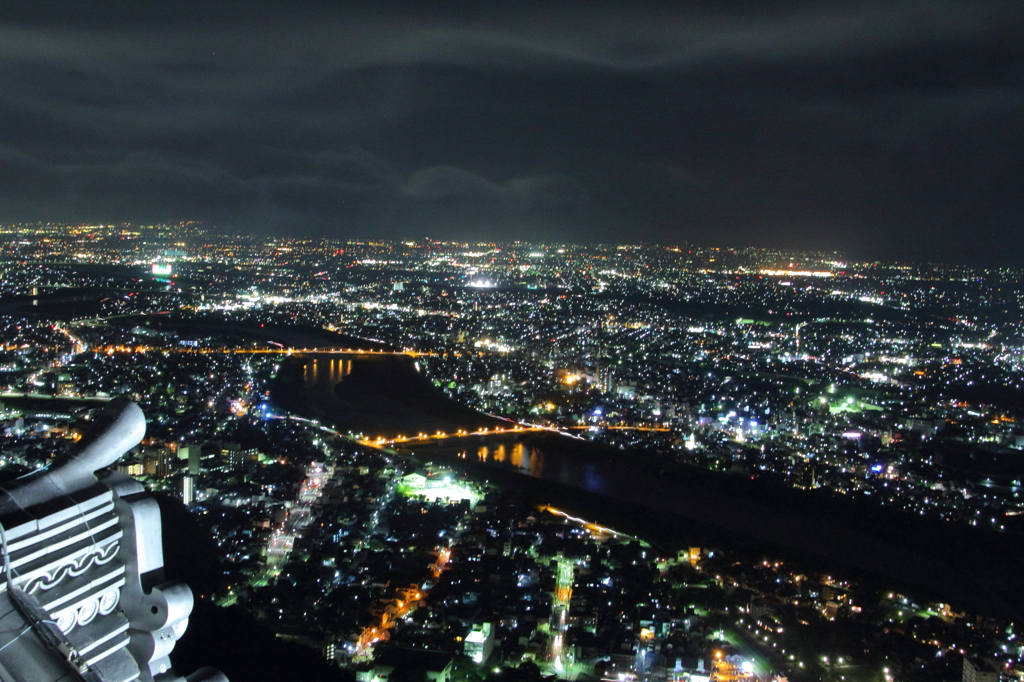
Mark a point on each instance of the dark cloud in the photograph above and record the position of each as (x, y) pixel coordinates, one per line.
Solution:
(888, 128)
(446, 183)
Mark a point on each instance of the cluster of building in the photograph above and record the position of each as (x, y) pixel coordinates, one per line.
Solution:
(904, 383)
(379, 563)
(900, 384)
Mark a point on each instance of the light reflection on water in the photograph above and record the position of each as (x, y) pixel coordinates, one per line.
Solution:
(326, 371)
(530, 460)
(322, 372)
(526, 459)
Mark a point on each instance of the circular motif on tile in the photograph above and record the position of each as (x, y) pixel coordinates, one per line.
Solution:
(108, 600)
(88, 611)
(65, 620)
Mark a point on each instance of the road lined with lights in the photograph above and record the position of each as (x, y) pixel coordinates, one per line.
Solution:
(282, 540)
(110, 350)
(759, 665)
(560, 611)
(589, 525)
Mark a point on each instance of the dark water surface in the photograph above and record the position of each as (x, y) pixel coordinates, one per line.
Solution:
(375, 394)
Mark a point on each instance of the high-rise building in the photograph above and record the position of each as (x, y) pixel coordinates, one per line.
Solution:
(188, 489)
(479, 642)
(131, 468)
(157, 462)
(231, 456)
(193, 454)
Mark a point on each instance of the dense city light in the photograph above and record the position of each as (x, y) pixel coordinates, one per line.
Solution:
(332, 413)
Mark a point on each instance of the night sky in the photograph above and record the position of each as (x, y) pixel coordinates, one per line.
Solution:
(884, 129)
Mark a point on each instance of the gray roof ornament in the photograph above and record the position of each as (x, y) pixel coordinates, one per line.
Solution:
(83, 595)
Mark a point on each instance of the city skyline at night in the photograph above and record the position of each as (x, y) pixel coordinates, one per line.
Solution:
(512, 342)
(425, 453)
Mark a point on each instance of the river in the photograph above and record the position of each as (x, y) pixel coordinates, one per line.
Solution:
(671, 504)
